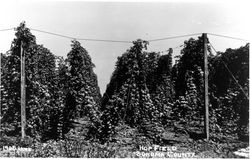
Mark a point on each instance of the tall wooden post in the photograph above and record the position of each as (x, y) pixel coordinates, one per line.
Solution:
(0, 93)
(23, 92)
(170, 64)
(206, 103)
(170, 53)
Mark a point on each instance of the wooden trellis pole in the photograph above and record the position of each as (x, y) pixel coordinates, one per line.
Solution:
(23, 92)
(0, 93)
(206, 117)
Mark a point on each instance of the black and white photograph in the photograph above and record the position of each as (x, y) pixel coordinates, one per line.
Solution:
(124, 79)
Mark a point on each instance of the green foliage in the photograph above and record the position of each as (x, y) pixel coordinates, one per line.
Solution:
(40, 65)
(76, 146)
(227, 101)
(191, 59)
(82, 94)
(237, 61)
(57, 90)
(135, 96)
(146, 97)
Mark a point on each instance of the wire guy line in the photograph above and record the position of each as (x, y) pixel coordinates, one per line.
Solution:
(236, 81)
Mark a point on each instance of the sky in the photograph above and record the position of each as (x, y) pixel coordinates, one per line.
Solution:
(124, 20)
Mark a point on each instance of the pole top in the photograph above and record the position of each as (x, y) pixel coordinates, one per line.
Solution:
(170, 50)
(204, 35)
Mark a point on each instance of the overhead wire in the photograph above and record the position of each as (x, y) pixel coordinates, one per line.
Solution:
(84, 39)
(118, 41)
(174, 37)
(105, 40)
(235, 80)
(230, 37)
(7, 29)
(126, 41)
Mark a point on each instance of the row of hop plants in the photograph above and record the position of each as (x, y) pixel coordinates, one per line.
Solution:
(140, 94)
